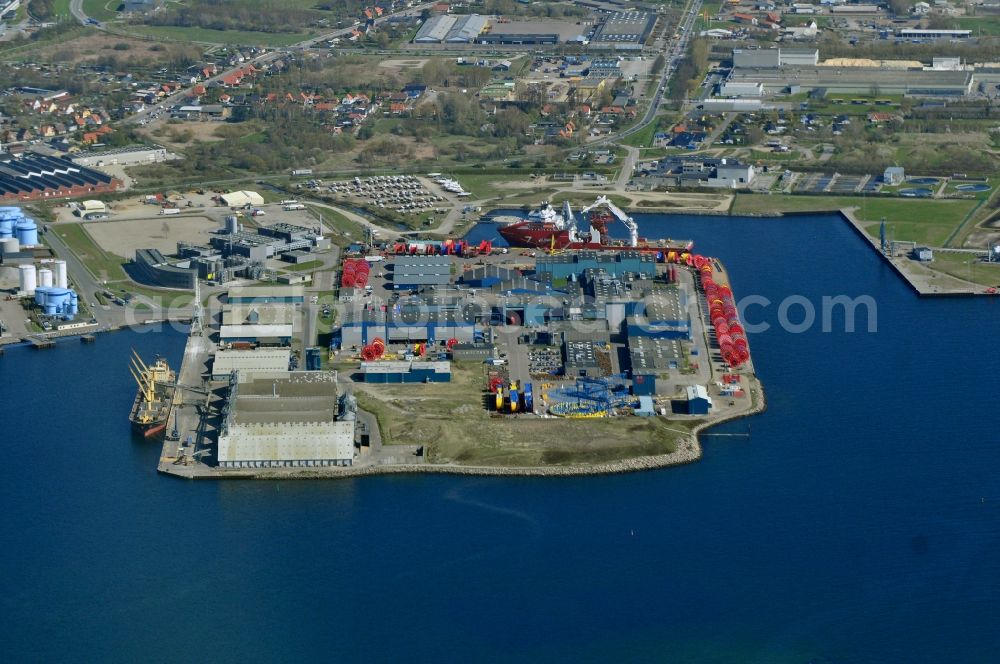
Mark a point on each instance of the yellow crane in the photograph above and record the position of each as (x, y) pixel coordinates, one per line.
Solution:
(143, 376)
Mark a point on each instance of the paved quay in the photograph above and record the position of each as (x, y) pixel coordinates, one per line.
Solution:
(924, 280)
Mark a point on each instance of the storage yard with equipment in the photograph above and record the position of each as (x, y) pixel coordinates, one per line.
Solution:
(458, 356)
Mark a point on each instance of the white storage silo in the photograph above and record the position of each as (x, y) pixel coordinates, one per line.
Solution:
(9, 246)
(59, 274)
(27, 279)
(232, 224)
(45, 278)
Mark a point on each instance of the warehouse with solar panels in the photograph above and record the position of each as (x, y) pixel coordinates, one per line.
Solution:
(35, 176)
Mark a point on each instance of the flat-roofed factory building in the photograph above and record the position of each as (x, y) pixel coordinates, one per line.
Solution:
(625, 30)
(412, 272)
(450, 29)
(859, 80)
(538, 31)
(248, 362)
(266, 294)
(266, 324)
(286, 420)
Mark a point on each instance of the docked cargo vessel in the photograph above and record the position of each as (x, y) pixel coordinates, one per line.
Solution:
(546, 228)
(152, 399)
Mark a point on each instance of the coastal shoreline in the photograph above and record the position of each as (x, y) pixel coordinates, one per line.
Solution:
(691, 452)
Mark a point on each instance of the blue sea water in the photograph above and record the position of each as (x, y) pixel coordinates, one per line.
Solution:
(859, 523)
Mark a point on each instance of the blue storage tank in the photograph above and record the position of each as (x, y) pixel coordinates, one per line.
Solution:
(27, 232)
(56, 301)
(8, 217)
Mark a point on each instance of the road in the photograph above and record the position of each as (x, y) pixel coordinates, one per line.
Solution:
(76, 9)
(265, 58)
(672, 58)
(628, 168)
(85, 282)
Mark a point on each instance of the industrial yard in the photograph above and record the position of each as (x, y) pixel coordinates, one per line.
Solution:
(564, 359)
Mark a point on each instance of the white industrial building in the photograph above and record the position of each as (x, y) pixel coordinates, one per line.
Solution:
(741, 89)
(447, 28)
(762, 58)
(732, 174)
(916, 33)
(127, 156)
(242, 198)
(466, 29)
(85, 208)
(248, 362)
(286, 420)
(894, 175)
(435, 29)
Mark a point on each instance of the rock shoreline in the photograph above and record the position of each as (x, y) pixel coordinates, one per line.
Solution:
(689, 453)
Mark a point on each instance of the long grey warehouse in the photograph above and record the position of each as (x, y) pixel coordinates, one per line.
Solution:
(451, 29)
(859, 80)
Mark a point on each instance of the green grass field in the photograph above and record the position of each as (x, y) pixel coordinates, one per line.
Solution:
(103, 265)
(987, 26)
(967, 267)
(239, 37)
(102, 10)
(440, 416)
(167, 298)
(61, 9)
(487, 186)
(951, 189)
(345, 230)
(644, 137)
(923, 221)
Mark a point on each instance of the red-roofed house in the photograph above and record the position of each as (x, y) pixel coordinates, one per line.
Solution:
(745, 18)
(876, 118)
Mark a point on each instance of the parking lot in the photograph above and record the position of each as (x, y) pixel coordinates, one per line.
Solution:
(402, 193)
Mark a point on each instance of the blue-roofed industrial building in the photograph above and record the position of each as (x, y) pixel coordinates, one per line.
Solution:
(643, 384)
(404, 322)
(697, 401)
(646, 408)
(406, 372)
(415, 272)
(616, 264)
(487, 276)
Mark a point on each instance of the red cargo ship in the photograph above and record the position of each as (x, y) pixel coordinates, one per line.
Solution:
(547, 229)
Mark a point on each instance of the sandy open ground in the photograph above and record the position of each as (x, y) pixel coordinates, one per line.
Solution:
(124, 237)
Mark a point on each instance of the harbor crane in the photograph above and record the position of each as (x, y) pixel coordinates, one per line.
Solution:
(619, 214)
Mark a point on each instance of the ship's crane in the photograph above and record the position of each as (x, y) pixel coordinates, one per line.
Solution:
(568, 217)
(629, 222)
(143, 377)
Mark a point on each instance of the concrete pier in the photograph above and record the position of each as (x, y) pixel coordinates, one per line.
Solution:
(924, 280)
